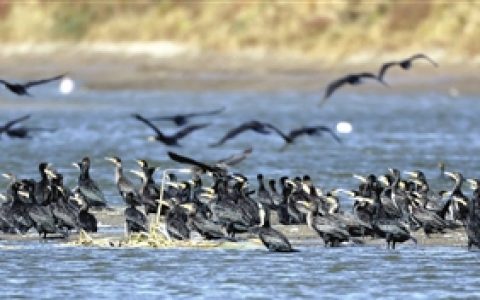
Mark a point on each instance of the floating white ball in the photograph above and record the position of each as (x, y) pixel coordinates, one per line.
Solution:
(66, 85)
(344, 127)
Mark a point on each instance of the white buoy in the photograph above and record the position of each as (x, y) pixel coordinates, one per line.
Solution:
(344, 127)
(66, 85)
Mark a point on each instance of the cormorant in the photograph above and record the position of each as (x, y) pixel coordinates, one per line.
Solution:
(123, 183)
(182, 119)
(21, 89)
(352, 79)
(169, 140)
(404, 64)
(86, 220)
(135, 220)
(88, 187)
(306, 130)
(198, 222)
(272, 239)
(259, 127)
(24, 132)
(13, 122)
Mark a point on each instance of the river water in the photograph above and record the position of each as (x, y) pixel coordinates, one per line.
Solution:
(408, 131)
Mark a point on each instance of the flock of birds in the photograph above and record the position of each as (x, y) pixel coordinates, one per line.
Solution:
(386, 206)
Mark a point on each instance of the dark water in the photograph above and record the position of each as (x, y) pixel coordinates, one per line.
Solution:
(407, 131)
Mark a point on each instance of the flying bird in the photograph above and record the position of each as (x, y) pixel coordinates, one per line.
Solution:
(352, 79)
(182, 119)
(235, 158)
(21, 89)
(198, 166)
(13, 122)
(256, 126)
(169, 140)
(404, 64)
(306, 130)
(24, 132)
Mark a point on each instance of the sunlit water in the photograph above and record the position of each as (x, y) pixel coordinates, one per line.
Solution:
(409, 132)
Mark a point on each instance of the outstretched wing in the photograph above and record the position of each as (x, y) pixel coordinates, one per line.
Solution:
(148, 123)
(13, 122)
(42, 81)
(236, 158)
(423, 56)
(236, 131)
(313, 130)
(332, 87)
(205, 113)
(384, 69)
(279, 132)
(187, 160)
(189, 129)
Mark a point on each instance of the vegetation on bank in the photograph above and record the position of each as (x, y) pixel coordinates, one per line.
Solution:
(319, 29)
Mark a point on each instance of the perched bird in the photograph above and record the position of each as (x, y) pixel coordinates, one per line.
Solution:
(182, 119)
(124, 185)
(306, 130)
(169, 140)
(87, 220)
(88, 187)
(259, 127)
(21, 88)
(404, 64)
(352, 79)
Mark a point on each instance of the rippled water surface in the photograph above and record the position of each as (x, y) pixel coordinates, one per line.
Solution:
(407, 131)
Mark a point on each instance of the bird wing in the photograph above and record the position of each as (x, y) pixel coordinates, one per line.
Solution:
(423, 56)
(148, 123)
(234, 132)
(189, 129)
(35, 129)
(384, 69)
(4, 82)
(14, 121)
(313, 130)
(278, 131)
(205, 113)
(42, 81)
(187, 160)
(332, 87)
(236, 158)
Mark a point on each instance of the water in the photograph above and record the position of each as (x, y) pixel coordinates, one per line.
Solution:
(406, 131)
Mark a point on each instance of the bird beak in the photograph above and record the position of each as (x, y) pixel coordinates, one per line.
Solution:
(360, 177)
(136, 172)
(7, 176)
(151, 138)
(473, 184)
(111, 159)
(411, 174)
(450, 174)
(76, 165)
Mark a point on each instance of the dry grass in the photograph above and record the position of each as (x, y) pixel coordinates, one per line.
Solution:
(331, 30)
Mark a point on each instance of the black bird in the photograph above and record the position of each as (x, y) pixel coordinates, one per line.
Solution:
(182, 119)
(169, 140)
(136, 221)
(124, 185)
(272, 239)
(202, 167)
(306, 130)
(21, 88)
(259, 127)
(87, 186)
(235, 158)
(24, 132)
(5, 127)
(86, 220)
(404, 64)
(352, 79)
